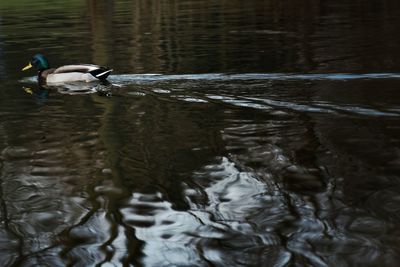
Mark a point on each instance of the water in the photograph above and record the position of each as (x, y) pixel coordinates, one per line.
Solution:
(232, 134)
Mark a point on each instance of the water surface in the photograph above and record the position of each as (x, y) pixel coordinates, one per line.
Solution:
(232, 134)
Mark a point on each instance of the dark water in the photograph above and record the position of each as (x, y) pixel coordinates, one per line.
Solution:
(269, 137)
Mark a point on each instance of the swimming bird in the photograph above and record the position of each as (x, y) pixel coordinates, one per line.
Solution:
(67, 73)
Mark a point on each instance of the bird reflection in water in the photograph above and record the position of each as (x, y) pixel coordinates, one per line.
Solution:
(41, 92)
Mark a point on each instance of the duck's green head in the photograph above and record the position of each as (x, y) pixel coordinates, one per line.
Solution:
(39, 62)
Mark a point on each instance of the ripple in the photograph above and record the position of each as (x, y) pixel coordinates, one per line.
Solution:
(16, 153)
(261, 192)
(129, 78)
(8, 245)
(153, 77)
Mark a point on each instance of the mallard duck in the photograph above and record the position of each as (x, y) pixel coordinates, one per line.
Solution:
(67, 73)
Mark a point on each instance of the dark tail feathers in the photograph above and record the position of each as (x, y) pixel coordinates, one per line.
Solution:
(101, 73)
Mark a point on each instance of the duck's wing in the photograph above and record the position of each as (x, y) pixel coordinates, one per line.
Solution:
(98, 72)
(84, 68)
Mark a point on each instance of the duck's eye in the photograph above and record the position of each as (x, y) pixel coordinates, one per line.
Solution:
(34, 62)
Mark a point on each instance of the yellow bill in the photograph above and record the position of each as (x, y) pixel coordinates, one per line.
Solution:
(27, 67)
(28, 90)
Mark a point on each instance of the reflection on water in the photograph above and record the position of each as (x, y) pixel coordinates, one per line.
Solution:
(152, 176)
(204, 36)
(214, 162)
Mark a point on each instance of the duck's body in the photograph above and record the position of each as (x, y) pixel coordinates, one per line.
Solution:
(74, 73)
(67, 73)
